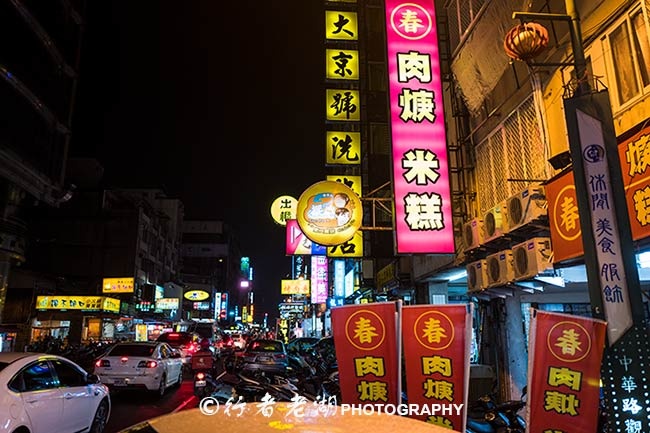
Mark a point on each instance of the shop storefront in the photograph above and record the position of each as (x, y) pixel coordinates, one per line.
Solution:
(75, 319)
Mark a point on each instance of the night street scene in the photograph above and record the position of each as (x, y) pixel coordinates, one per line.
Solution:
(322, 216)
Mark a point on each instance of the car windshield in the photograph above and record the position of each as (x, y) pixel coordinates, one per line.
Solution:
(266, 346)
(143, 350)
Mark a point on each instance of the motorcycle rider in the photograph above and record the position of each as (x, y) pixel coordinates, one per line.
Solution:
(203, 368)
(203, 359)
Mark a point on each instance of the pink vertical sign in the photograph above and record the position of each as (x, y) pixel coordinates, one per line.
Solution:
(423, 222)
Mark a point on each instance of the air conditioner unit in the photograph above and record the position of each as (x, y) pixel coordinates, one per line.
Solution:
(477, 279)
(473, 234)
(525, 207)
(493, 222)
(500, 269)
(532, 257)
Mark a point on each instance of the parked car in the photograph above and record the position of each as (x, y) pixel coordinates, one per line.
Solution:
(44, 393)
(301, 344)
(153, 366)
(185, 342)
(269, 356)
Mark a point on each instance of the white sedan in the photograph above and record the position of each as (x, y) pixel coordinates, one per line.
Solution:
(42, 393)
(153, 366)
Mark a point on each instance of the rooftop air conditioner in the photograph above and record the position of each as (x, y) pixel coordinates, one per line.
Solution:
(500, 269)
(532, 257)
(473, 234)
(527, 206)
(477, 279)
(493, 222)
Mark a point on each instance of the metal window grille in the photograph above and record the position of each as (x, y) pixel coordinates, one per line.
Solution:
(511, 158)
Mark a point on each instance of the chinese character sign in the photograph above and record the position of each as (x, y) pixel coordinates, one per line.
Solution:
(319, 278)
(419, 150)
(437, 341)
(365, 337)
(564, 372)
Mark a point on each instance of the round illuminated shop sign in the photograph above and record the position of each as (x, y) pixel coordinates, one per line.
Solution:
(329, 213)
(283, 208)
(196, 295)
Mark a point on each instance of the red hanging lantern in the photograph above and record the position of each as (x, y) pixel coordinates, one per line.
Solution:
(526, 41)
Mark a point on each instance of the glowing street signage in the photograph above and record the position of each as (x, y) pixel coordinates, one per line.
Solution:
(342, 105)
(298, 244)
(283, 208)
(319, 278)
(93, 303)
(341, 25)
(329, 213)
(351, 181)
(342, 64)
(196, 295)
(118, 285)
(343, 148)
(423, 221)
(351, 248)
(294, 287)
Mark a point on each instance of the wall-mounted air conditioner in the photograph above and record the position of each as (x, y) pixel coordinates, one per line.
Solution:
(473, 234)
(477, 279)
(500, 269)
(526, 207)
(532, 257)
(493, 222)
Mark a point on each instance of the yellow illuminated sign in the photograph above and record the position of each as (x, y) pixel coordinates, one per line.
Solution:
(352, 182)
(98, 303)
(342, 105)
(196, 295)
(283, 208)
(329, 213)
(118, 285)
(343, 147)
(294, 287)
(341, 25)
(351, 248)
(342, 64)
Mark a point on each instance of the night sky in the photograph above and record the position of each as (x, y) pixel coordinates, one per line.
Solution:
(219, 103)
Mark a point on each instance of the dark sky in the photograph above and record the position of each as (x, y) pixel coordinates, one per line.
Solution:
(219, 102)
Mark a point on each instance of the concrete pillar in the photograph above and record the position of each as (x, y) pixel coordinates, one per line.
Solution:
(516, 355)
(437, 293)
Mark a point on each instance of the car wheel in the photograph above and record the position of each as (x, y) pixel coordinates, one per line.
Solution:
(163, 383)
(100, 419)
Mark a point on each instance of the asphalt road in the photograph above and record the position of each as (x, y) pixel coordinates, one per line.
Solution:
(132, 407)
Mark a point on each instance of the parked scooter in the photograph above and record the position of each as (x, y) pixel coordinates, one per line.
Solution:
(488, 416)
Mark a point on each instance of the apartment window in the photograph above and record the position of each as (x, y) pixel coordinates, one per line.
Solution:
(629, 56)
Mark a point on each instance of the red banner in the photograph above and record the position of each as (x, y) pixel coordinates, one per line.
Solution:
(437, 341)
(564, 372)
(365, 337)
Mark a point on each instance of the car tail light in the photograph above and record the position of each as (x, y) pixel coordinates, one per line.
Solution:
(124, 358)
(147, 364)
(279, 356)
(102, 363)
(191, 347)
(200, 375)
(229, 343)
